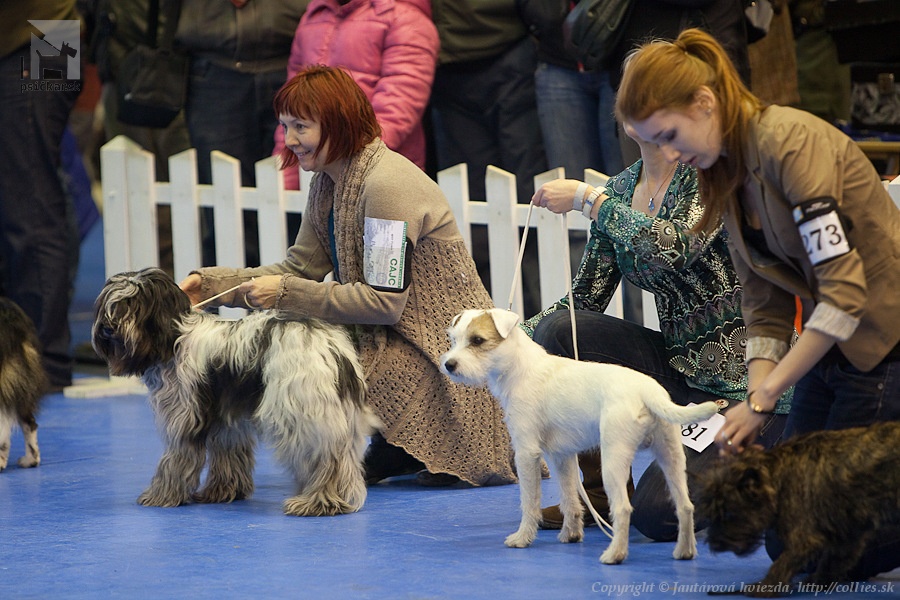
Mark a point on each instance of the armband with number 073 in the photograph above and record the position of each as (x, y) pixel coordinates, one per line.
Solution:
(822, 229)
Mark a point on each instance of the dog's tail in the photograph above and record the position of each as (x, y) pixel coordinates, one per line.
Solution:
(661, 405)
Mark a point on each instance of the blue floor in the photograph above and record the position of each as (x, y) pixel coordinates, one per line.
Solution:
(72, 529)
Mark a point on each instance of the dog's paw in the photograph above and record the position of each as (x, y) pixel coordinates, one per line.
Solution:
(28, 462)
(614, 556)
(219, 495)
(316, 505)
(153, 498)
(519, 539)
(570, 536)
(684, 552)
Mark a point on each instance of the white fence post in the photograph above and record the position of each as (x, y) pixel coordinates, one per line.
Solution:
(228, 205)
(503, 221)
(185, 197)
(129, 206)
(553, 246)
(228, 217)
(115, 213)
(273, 235)
(454, 182)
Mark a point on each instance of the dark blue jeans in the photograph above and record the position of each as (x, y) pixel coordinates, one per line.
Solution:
(231, 111)
(576, 113)
(38, 232)
(606, 339)
(837, 395)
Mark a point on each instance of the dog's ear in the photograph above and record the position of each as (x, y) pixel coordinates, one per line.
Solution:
(504, 321)
(750, 480)
(754, 483)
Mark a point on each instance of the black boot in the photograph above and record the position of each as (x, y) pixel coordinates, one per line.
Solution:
(385, 460)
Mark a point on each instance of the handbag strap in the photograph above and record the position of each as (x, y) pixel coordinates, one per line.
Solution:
(171, 10)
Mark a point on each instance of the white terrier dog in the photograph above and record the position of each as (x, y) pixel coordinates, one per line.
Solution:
(561, 407)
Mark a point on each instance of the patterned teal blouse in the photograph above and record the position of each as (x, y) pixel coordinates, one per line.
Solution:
(698, 297)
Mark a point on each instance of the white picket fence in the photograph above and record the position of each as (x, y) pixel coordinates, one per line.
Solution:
(131, 195)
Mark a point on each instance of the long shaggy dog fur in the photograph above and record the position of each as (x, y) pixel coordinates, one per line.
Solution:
(215, 383)
(825, 494)
(561, 407)
(23, 382)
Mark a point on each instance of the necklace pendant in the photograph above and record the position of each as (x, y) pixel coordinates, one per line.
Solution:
(652, 205)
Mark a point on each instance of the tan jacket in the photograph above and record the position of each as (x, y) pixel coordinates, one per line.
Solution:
(792, 157)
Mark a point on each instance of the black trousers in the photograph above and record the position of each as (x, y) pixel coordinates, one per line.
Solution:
(38, 232)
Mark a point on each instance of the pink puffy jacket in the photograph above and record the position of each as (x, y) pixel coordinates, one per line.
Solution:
(390, 48)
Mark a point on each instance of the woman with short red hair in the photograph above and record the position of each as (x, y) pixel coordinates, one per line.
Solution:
(401, 272)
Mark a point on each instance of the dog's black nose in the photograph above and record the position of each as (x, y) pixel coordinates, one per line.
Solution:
(450, 365)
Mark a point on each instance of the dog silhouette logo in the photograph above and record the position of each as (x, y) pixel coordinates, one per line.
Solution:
(54, 51)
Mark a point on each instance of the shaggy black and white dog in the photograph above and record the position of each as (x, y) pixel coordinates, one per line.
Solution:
(23, 382)
(215, 383)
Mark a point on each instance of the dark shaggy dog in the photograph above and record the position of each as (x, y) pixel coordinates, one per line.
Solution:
(214, 383)
(22, 382)
(825, 494)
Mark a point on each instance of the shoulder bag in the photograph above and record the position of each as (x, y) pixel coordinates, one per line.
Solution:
(594, 28)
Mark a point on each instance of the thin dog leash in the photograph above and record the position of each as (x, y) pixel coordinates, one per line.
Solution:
(210, 299)
(512, 291)
(604, 526)
(220, 294)
(567, 268)
(568, 272)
